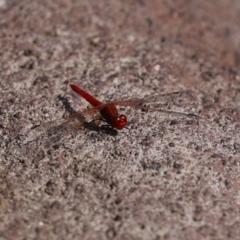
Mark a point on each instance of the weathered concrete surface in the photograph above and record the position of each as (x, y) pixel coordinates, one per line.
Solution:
(162, 178)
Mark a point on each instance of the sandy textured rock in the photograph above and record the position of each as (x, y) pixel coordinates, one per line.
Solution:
(163, 177)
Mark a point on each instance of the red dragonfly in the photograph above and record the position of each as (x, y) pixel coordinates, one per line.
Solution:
(109, 112)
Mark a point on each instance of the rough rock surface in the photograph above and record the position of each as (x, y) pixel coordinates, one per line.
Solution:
(163, 177)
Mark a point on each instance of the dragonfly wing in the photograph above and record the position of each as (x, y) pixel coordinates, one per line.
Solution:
(54, 130)
(164, 103)
(167, 98)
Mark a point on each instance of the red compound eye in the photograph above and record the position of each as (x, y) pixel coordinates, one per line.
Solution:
(119, 122)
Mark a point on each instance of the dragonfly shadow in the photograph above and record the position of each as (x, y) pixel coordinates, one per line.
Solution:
(105, 129)
(67, 105)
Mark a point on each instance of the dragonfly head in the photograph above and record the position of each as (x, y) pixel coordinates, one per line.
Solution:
(119, 122)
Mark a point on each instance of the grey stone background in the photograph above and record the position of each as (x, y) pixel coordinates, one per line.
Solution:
(163, 177)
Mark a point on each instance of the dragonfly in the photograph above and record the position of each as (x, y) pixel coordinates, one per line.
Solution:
(109, 112)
